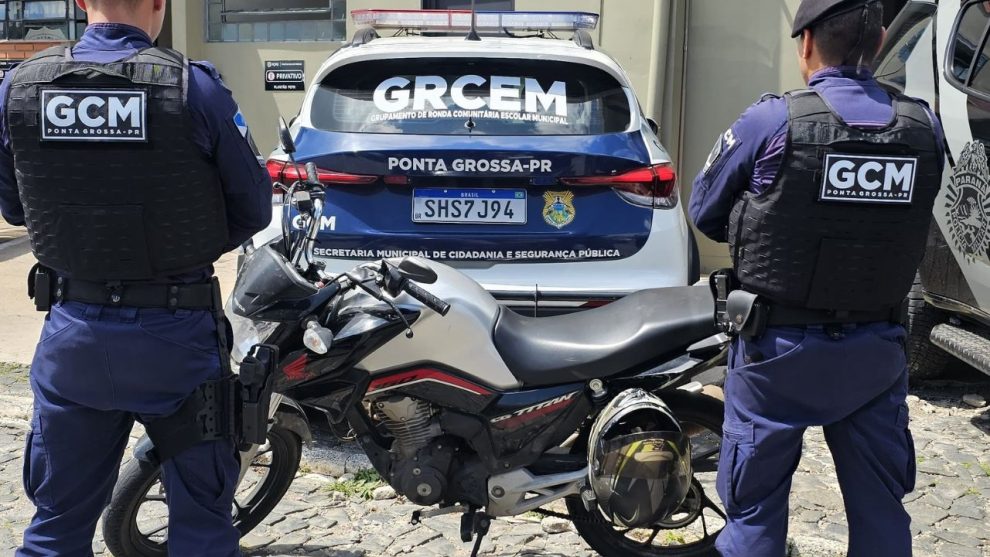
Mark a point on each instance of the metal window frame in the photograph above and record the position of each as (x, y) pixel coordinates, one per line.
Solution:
(70, 20)
(260, 13)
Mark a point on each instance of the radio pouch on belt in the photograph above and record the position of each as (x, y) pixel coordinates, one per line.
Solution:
(737, 312)
(235, 408)
(746, 314)
(40, 287)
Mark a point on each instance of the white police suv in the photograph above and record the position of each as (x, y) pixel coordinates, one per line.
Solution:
(523, 160)
(938, 51)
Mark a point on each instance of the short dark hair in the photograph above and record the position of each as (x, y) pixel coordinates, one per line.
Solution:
(851, 38)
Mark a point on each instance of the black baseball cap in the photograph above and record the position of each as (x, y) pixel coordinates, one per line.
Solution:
(811, 12)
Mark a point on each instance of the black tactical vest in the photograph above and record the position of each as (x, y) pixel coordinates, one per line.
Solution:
(113, 185)
(844, 225)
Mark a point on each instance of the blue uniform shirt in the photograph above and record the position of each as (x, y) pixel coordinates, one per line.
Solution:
(220, 132)
(748, 155)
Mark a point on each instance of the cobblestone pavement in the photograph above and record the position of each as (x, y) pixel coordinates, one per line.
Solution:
(950, 507)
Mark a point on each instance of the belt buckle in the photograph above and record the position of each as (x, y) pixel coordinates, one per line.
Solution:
(115, 292)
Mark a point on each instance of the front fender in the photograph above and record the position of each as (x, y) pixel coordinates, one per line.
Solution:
(292, 417)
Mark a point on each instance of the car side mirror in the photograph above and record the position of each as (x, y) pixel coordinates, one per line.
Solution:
(285, 137)
(967, 56)
(417, 270)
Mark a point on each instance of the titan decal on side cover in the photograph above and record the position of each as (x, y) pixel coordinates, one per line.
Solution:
(968, 203)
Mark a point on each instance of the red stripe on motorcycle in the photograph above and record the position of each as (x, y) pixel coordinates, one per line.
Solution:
(423, 375)
(296, 369)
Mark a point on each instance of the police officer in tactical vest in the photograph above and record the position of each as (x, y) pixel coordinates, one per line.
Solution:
(133, 171)
(825, 197)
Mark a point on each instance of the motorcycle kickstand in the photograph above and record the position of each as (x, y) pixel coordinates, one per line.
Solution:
(475, 523)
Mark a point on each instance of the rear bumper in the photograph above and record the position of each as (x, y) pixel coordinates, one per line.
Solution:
(556, 287)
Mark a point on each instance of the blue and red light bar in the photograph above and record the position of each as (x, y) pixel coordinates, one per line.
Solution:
(460, 20)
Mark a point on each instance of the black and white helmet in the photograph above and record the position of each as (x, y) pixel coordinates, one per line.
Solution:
(639, 460)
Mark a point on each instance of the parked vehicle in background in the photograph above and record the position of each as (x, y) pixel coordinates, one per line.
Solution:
(520, 159)
(938, 51)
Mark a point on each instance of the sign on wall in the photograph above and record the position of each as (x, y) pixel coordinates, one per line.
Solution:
(285, 75)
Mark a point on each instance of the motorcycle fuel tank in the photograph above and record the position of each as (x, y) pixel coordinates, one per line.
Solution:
(461, 340)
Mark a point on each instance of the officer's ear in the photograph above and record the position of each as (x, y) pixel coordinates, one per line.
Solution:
(883, 40)
(82, 5)
(807, 45)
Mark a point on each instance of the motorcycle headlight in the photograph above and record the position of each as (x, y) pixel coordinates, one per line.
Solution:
(247, 333)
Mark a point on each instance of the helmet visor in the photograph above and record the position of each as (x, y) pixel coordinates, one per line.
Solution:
(642, 478)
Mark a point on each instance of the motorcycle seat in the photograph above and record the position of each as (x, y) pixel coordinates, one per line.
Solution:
(635, 330)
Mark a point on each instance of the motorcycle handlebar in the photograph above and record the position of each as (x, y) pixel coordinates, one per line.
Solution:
(429, 300)
(312, 175)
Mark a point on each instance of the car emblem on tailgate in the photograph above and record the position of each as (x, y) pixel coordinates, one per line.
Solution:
(559, 209)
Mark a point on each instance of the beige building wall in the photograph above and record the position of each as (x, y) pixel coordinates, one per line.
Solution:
(737, 51)
(695, 66)
(242, 64)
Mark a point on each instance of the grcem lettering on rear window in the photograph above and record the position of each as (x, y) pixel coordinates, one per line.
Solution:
(471, 96)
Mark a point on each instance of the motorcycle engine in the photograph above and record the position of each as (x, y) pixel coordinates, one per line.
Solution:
(422, 458)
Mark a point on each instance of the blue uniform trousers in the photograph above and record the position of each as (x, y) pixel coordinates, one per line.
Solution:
(790, 379)
(96, 369)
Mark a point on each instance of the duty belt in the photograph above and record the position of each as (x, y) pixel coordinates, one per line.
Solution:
(747, 314)
(784, 316)
(46, 288)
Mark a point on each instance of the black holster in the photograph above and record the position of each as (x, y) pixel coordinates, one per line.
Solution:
(235, 407)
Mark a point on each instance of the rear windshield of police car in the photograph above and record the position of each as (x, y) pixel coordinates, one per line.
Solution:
(470, 96)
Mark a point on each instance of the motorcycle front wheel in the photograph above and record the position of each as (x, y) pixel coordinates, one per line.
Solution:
(692, 530)
(135, 523)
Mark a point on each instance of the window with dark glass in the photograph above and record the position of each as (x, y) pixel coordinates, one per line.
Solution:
(968, 55)
(902, 40)
(470, 96)
(966, 65)
(41, 20)
(276, 20)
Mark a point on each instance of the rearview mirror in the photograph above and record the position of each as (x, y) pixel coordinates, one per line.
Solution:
(285, 137)
(417, 270)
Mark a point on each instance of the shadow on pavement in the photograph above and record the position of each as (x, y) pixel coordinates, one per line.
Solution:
(13, 249)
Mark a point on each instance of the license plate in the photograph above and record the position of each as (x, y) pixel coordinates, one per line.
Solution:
(474, 206)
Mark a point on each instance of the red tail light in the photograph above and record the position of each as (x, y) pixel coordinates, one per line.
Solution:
(651, 186)
(287, 173)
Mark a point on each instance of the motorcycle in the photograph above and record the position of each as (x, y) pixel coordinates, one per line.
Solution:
(459, 404)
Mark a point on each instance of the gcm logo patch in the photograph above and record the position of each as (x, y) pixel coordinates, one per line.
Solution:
(860, 179)
(93, 115)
